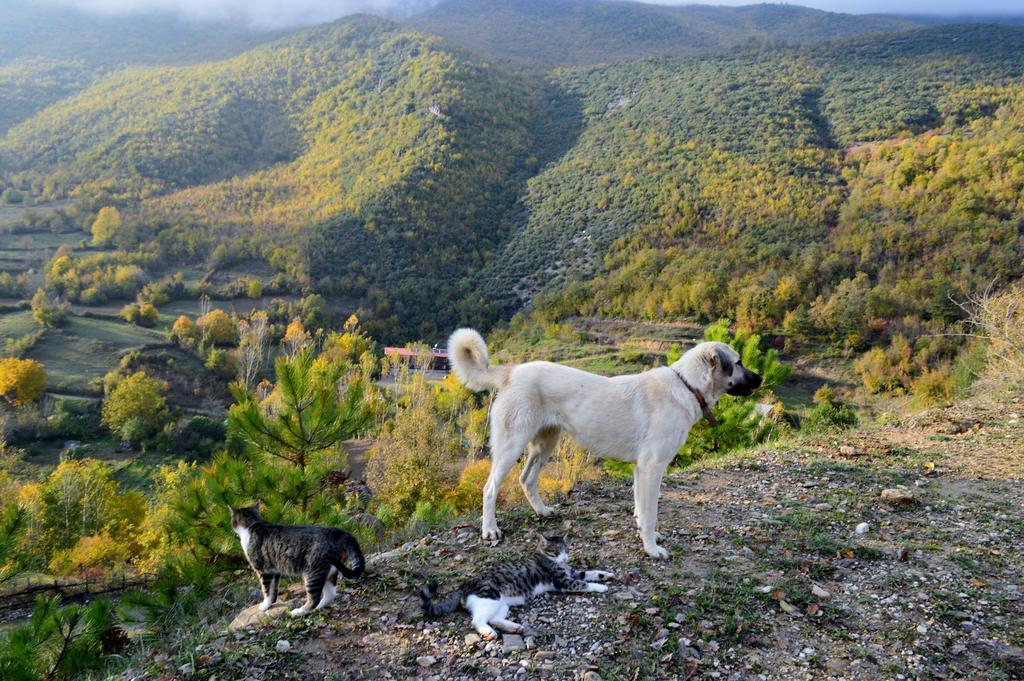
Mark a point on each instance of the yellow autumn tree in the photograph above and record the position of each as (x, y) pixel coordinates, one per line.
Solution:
(21, 380)
(218, 327)
(105, 227)
(295, 338)
(184, 330)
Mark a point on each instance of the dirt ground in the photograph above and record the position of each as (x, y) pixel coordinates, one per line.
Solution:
(768, 577)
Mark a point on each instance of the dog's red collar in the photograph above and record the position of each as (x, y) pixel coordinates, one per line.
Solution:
(705, 409)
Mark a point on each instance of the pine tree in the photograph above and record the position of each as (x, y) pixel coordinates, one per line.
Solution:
(281, 447)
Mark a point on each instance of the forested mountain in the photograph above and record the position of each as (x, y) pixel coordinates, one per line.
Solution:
(398, 159)
(870, 178)
(575, 32)
(48, 52)
(366, 160)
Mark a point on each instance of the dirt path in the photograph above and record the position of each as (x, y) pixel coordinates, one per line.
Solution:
(768, 578)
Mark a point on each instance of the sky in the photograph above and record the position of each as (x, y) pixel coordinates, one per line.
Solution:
(278, 13)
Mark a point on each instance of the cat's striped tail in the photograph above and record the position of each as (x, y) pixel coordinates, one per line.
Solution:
(432, 608)
(354, 555)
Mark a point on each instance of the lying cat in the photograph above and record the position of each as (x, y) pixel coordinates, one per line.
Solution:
(489, 596)
(317, 553)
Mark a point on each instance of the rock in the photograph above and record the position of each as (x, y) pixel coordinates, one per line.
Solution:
(472, 639)
(426, 661)
(820, 592)
(862, 528)
(922, 629)
(252, 615)
(186, 669)
(591, 676)
(511, 642)
(899, 496)
(283, 646)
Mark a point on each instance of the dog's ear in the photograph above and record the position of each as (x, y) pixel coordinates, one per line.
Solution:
(712, 359)
(724, 359)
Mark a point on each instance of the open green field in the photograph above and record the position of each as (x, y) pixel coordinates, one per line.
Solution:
(16, 324)
(86, 349)
(10, 214)
(239, 306)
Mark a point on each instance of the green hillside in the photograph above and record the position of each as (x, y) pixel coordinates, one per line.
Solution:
(750, 185)
(399, 158)
(48, 52)
(574, 32)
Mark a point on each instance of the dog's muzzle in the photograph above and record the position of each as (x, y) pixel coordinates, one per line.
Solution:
(746, 385)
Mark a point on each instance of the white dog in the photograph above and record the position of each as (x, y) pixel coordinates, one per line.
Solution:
(641, 418)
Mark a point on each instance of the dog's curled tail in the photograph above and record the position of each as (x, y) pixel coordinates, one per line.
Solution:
(467, 353)
(433, 609)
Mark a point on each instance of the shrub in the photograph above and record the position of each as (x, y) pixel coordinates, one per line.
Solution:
(934, 386)
(75, 419)
(22, 381)
(218, 327)
(185, 331)
(47, 311)
(80, 498)
(193, 437)
(829, 411)
(740, 423)
(416, 459)
(997, 321)
(135, 408)
(142, 315)
(96, 555)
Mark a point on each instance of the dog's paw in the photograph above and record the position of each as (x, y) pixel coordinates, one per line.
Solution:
(299, 612)
(493, 534)
(265, 605)
(488, 634)
(603, 576)
(656, 552)
(545, 511)
(599, 588)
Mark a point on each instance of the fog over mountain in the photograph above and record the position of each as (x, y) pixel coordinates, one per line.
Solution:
(277, 14)
(260, 13)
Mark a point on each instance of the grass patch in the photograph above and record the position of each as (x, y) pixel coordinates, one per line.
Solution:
(86, 349)
(731, 605)
(17, 324)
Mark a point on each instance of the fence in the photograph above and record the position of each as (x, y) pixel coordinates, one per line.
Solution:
(23, 593)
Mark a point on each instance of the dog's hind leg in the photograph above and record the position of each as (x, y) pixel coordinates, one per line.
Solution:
(537, 454)
(505, 452)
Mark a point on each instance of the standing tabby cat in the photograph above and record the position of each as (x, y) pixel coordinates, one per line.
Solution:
(489, 596)
(317, 553)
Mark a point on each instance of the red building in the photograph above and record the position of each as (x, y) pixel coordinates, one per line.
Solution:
(438, 356)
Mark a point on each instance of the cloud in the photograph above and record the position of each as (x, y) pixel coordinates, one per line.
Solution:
(259, 13)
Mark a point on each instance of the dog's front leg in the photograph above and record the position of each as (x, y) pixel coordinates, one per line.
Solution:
(648, 489)
(500, 466)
